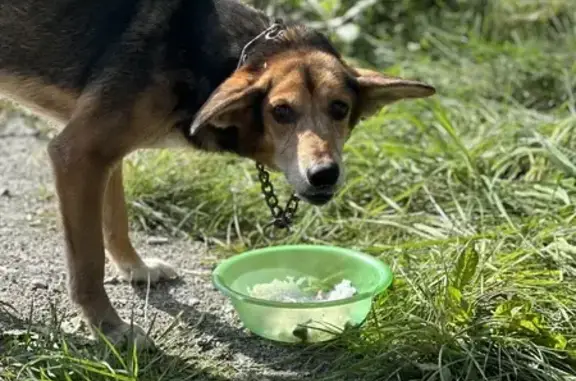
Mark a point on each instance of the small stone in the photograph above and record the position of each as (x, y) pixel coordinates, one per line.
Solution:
(205, 344)
(242, 358)
(39, 284)
(73, 325)
(158, 241)
(5, 192)
(112, 280)
(18, 333)
(192, 302)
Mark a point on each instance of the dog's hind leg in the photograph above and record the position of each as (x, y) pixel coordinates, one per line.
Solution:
(117, 240)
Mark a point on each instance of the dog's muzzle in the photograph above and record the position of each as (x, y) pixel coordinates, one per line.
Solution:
(322, 179)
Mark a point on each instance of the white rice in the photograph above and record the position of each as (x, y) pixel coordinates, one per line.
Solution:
(292, 291)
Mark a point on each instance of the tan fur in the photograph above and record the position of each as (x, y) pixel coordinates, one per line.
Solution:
(52, 102)
(115, 223)
(57, 104)
(318, 138)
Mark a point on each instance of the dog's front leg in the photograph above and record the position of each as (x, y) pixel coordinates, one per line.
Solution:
(117, 240)
(83, 156)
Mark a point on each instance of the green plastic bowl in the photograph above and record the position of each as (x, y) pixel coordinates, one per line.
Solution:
(301, 322)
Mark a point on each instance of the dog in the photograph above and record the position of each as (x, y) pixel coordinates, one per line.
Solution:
(213, 75)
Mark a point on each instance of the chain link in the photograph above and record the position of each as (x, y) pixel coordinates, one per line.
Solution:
(282, 218)
(273, 32)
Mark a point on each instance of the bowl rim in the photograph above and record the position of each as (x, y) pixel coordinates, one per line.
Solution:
(386, 277)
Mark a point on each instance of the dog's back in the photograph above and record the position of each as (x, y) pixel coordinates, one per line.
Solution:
(49, 50)
(59, 41)
(61, 46)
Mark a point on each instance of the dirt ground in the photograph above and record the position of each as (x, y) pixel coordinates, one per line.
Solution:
(32, 275)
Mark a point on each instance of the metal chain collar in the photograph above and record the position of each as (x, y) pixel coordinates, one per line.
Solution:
(273, 32)
(282, 218)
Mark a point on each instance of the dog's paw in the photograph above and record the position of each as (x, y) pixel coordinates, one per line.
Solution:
(125, 335)
(152, 270)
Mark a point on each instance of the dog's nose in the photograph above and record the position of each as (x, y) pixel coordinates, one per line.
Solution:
(323, 175)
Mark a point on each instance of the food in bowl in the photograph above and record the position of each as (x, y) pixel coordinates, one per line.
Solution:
(303, 324)
(302, 290)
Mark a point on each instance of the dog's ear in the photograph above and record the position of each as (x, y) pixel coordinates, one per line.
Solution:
(377, 90)
(228, 101)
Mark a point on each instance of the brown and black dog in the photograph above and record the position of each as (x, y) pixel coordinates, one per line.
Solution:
(121, 75)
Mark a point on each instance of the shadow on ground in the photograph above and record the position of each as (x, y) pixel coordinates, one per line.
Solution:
(209, 348)
(29, 348)
(212, 330)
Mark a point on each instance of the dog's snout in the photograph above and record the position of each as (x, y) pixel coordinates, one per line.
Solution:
(323, 175)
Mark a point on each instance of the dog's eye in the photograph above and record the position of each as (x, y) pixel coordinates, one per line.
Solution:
(339, 110)
(284, 114)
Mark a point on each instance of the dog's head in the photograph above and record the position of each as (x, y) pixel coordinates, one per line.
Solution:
(292, 107)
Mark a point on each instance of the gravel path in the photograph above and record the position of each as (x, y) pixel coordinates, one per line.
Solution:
(32, 275)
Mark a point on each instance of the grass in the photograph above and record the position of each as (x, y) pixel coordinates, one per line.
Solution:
(470, 196)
